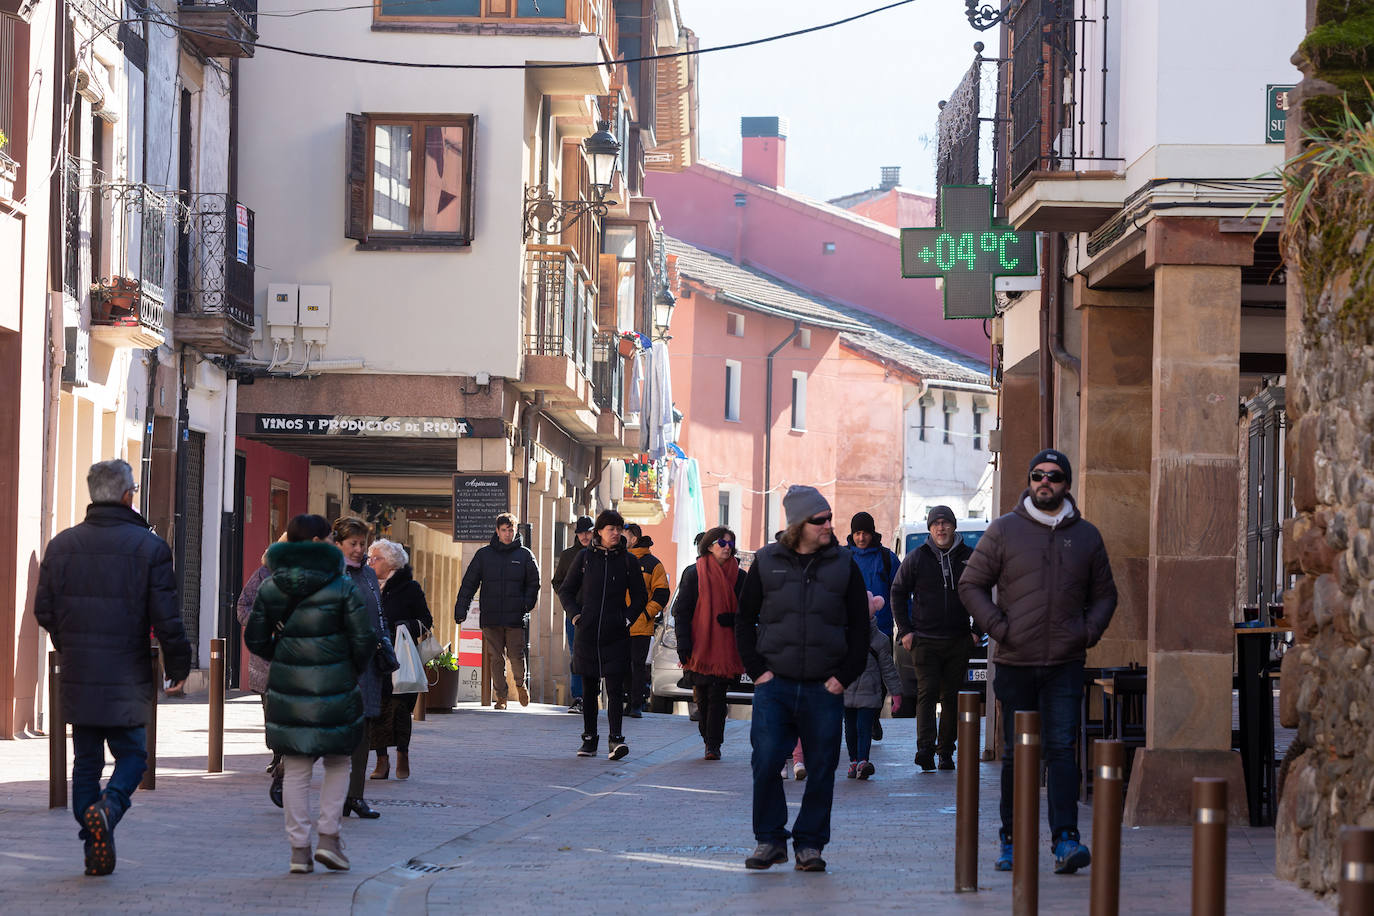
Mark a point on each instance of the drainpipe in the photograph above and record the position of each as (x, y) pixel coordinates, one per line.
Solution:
(768, 435)
(1052, 336)
(594, 480)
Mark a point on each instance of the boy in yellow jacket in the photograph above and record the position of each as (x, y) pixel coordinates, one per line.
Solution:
(642, 630)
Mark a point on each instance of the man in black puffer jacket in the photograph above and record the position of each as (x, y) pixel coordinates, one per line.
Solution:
(508, 576)
(803, 635)
(936, 632)
(102, 586)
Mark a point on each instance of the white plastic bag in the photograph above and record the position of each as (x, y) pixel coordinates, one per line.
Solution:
(410, 677)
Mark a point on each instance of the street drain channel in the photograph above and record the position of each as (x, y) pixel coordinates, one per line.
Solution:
(406, 803)
(426, 868)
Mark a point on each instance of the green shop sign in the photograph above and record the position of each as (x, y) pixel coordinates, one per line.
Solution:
(968, 251)
(1276, 113)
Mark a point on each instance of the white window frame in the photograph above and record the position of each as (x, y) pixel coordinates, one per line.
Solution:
(734, 324)
(733, 370)
(799, 402)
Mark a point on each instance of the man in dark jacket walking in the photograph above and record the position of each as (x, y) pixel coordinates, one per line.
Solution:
(102, 586)
(935, 631)
(508, 576)
(1055, 598)
(583, 534)
(802, 632)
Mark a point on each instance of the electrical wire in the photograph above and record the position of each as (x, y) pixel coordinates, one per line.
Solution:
(421, 65)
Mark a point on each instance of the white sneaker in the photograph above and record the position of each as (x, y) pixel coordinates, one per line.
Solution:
(799, 771)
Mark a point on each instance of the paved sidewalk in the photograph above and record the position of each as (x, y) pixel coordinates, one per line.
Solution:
(501, 815)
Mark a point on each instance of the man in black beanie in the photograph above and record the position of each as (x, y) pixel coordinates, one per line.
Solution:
(1055, 598)
(936, 632)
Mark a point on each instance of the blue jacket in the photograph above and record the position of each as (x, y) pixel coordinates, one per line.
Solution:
(879, 566)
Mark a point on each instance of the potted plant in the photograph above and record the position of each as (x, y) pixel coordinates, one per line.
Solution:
(629, 343)
(113, 298)
(9, 170)
(442, 673)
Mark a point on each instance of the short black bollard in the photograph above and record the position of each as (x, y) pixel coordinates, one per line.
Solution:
(1357, 871)
(150, 774)
(57, 735)
(1209, 846)
(214, 760)
(1025, 828)
(966, 796)
(1108, 760)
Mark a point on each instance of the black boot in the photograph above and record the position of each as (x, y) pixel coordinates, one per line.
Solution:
(589, 743)
(359, 807)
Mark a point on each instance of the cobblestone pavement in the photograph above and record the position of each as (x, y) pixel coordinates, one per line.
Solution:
(500, 814)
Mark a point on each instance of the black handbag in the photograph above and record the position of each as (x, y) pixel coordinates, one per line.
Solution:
(384, 660)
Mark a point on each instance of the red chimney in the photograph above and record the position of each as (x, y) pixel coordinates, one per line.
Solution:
(765, 150)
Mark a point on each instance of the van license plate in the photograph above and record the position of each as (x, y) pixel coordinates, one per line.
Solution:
(978, 674)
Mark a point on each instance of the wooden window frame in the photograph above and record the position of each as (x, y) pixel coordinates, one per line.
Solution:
(361, 153)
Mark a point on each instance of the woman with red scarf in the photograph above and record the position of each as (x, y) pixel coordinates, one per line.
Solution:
(704, 619)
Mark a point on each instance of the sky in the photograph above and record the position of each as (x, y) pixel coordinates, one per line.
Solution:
(857, 97)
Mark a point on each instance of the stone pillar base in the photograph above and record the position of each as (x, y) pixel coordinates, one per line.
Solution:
(1160, 793)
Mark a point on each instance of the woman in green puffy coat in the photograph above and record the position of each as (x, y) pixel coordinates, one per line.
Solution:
(310, 622)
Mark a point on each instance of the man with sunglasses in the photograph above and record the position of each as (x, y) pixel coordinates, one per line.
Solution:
(802, 632)
(1055, 598)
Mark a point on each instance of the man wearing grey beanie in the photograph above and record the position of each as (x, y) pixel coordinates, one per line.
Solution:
(802, 631)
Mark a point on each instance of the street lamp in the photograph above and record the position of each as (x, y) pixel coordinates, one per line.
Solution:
(547, 216)
(663, 311)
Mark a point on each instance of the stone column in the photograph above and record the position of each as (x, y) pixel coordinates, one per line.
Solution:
(1194, 494)
(1020, 397)
(1112, 479)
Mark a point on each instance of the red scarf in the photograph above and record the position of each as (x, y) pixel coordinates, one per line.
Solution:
(713, 646)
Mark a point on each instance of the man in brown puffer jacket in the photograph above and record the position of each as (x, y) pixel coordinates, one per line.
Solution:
(1055, 598)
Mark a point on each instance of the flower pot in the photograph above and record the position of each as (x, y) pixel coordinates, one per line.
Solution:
(628, 345)
(443, 690)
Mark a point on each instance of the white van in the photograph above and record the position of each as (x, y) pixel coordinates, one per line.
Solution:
(914, 535)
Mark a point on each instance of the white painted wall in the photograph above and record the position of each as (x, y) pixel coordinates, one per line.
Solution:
(940, 474)
(1193, 79)
(442, 313)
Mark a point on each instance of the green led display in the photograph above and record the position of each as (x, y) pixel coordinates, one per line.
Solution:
(968, 251)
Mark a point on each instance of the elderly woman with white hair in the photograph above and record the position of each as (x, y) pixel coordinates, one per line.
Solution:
(403, 605)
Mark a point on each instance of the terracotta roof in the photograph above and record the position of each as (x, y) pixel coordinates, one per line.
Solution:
(753, 289)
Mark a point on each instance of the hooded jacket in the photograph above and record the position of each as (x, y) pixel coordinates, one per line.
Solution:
(655, 583)
(594, 595)
(878, 565)
(508, 576)
(102, 586)
(1055, 594)
(927, 583)
(310, 622)
(867, 690)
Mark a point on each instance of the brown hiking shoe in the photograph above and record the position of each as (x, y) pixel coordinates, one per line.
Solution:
(330, 852)
(523, 694)
(499, 704)
(300, 860)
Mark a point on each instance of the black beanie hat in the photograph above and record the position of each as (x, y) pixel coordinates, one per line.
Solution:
(941, 513)
(862, 521)
(1052, 456)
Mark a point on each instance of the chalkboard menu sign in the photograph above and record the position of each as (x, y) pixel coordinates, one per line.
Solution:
(477, 500)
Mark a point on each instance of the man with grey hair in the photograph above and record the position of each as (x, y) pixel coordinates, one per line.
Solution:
(102, 586)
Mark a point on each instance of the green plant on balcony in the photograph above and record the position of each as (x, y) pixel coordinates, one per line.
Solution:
(114, 298)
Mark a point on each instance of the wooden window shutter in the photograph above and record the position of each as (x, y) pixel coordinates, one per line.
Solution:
(356, 179)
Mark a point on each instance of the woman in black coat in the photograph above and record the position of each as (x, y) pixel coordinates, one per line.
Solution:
(602, 595)
(311, 623)
(403, 605)
(704, 622)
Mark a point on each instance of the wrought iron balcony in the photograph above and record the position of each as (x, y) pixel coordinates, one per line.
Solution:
(561, 304)
(220, 28)
(215, 256)
(123, 314)
(608, 373)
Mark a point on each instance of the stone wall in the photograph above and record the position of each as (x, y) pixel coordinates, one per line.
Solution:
(1327, 680)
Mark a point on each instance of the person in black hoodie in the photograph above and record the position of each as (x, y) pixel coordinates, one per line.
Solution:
(937, 632)
(102, 586)
(508, 576)
(602, 594)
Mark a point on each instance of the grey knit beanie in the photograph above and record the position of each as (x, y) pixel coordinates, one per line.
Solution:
(802, 503)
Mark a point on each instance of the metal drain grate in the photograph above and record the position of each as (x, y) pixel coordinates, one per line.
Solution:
(406, 803)
(426, 867)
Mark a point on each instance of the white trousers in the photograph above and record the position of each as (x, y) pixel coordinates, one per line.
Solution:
(295, 792)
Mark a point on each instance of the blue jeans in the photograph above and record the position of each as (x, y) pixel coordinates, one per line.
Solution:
(785, 710)
(858, 731)
(575, 684)
(1056, 693)
(129, 749)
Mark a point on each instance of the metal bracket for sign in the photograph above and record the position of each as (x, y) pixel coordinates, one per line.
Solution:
(968, 251)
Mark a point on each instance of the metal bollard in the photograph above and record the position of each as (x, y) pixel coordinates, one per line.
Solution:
(1025, 829)
(150, 774)
(1209, 846)
(57, 735)
(214, 760)
(966, 796)
(1109, 758)
(1357, 871)
(486, 676)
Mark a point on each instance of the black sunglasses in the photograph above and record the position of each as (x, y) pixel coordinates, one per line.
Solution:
(725, 542)
(1051, 476)
(819, 520)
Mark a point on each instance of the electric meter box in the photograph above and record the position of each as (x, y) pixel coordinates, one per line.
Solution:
(314, 313)
(282, 300)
